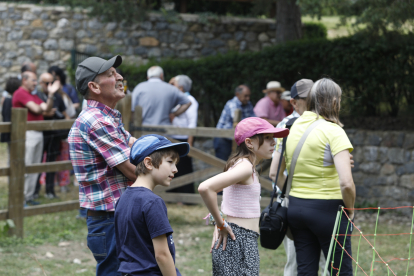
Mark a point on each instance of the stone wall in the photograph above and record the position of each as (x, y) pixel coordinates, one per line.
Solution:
(384, 167)
(46, 35)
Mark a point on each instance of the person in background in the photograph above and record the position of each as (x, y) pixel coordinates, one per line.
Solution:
(69, 90)
(23, 98)
(157, 98)
(52, 138)
(270, 107)
(285, 100)
(12, 85)
(241, 100)
(27, 66)
(321, 182)
(188, 119)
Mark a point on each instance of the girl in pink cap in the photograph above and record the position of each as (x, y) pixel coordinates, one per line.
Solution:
(239, 254)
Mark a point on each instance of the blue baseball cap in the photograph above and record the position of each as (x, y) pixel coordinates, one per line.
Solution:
(147, 144)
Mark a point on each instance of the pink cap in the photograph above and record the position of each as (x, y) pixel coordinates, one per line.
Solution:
(251, 126)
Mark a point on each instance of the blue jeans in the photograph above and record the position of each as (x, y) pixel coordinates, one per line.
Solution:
(222, 147)
(101, 241)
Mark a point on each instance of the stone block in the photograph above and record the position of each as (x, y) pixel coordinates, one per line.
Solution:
(66, 44)
(39, 34)
(10, 46)
(94, 24)
(382, 154)
(166, 52)
(37, 11)
(373, 139)
(370, 167)
(37, 23)
(13, 35)
(359, 138)
(140, 51)
(178, 27)
(393, 139)
(226, 36)
(49, 25)
(111, 26)
(76, 25)
(182, 46)
(15, 16)
(148, 41)
(131, 41)
(243, 45)
(254, 46)
(356, 167)
(208, 51)
(222, 50)
(409, 142)
(362, 191)
(22, 23)
(154, 52)
(232, 44)
(161, 25)
(137, 34)
(121, 34)
(77, 16)
(29, 16)
(409, 168)
(370, 153)
(195, 28)
(259, 27)
(387, 169)
(11, 54)
(407, 156)
(51, 55)
(396, 193)
(63, 23)
(251, 36)
(392, 179)
(396, 155)
(205, 36)
(44, 16)
(400, 170)
(196, 46)
(407, 181)
(5, 63)
(188, 38)
(146, 25)
(215, 43)
(50, 44)
(374, 181)
(263, 37)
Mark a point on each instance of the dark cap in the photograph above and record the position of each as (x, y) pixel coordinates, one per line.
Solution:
(147, 144)
(301, 88)
(91, 67)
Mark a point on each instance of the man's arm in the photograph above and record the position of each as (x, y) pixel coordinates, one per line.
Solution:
(182, 109)
(128, 170)
(163, 256)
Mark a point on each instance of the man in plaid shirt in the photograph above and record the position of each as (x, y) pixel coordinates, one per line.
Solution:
(99, 150)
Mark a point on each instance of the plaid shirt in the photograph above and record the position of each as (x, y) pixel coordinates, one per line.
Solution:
(227, 115)
(98, 142)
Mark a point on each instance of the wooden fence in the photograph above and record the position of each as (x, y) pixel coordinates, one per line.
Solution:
(17, 169)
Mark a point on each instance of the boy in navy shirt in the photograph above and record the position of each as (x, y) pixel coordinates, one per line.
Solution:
(144, 241)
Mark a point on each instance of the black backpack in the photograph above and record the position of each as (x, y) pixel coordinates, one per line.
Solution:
(273, 221)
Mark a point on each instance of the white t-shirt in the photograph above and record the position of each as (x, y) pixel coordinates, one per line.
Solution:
(187, 119)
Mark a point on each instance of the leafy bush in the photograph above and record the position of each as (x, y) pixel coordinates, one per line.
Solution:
(314, 30)
(376, 74)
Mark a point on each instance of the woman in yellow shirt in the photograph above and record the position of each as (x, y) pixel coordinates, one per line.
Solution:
(322, 180)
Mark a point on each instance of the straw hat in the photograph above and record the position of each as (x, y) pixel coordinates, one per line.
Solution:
(273, 86)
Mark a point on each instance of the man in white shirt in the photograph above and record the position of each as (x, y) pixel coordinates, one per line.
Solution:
(188, 119)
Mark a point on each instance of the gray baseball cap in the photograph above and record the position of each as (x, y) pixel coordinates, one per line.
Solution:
(91, 67)
(301, 88)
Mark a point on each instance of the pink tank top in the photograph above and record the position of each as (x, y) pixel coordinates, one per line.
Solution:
(242, 201)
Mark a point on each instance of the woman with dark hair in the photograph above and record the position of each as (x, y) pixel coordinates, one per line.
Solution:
(321, 181)
(12, 85)
(58, 74)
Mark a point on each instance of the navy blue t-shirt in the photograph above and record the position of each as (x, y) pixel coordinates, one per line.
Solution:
(140, 216)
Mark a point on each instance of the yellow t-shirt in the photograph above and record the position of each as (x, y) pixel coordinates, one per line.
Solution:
(315, 175)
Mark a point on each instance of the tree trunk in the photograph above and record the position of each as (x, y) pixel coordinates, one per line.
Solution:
(288, 21)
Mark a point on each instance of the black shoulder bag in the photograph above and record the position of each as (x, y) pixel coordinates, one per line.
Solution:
(273, 222)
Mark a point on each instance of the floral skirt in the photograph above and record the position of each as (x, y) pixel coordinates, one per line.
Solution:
(241, 256)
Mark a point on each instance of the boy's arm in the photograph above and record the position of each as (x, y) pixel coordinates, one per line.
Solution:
(163, 256)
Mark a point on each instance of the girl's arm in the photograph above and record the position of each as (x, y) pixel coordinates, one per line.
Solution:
(209, 189)
(343, 167)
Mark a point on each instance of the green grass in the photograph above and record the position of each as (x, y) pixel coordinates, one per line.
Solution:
(331, 23)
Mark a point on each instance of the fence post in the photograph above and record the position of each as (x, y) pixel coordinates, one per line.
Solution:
(17, 170)
(137, 120)
(236, 120)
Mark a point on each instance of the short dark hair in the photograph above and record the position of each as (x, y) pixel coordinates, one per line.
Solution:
(156, 159)
(240, 88)
(59, 72)
(12, 85)
(26, 67)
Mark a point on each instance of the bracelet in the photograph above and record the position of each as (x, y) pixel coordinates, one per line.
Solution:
(210, 219)
(224, 225)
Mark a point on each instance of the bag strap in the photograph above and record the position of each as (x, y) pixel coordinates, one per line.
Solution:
(297, 152)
